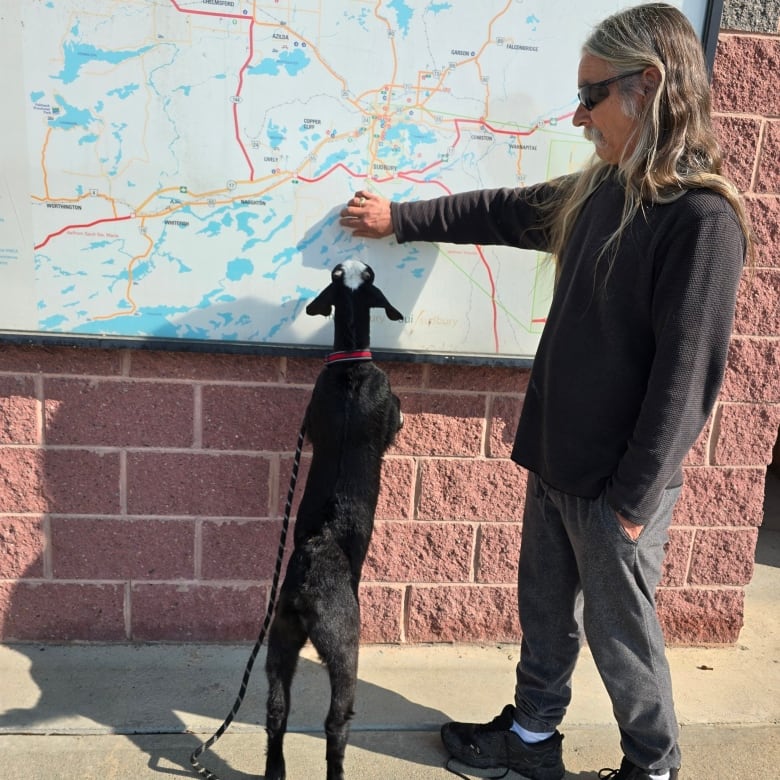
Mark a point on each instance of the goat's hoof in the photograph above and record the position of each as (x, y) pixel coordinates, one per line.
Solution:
(275, 772)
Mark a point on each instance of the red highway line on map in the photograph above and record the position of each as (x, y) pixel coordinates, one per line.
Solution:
(206, 13)
(492, 293)
(496, 131)
(238, 94)
(353, 174)
(76, 227)
(410, 177)
(251, 21)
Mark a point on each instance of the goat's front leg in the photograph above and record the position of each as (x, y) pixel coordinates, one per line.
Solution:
(285, 640)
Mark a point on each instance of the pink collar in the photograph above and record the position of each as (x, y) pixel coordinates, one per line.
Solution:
(345, 357)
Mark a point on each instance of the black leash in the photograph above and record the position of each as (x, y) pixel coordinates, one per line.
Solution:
(199, 768)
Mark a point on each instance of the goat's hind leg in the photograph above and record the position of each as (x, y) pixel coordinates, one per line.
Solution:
(336, 639)
(285, 640)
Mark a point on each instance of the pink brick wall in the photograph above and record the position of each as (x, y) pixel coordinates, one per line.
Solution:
(141, 492)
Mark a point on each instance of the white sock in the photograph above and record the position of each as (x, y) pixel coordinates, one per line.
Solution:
(664, 776)
(532, 737)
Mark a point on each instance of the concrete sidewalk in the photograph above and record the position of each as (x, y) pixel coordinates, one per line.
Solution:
(115, 712)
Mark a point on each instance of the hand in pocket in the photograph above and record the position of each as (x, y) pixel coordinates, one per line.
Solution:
(634, 530)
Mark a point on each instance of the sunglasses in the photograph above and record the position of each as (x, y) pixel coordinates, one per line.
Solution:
(591, 95)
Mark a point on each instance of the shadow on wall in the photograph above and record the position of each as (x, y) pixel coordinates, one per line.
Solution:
(401, 272)
(132, 690)
(772, 491)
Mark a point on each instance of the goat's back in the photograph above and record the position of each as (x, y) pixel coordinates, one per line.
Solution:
(352, 406)
(351, 420)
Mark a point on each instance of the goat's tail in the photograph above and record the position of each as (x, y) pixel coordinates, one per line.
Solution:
(196, 765)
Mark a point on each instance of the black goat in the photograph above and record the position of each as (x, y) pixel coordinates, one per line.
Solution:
(351, 420)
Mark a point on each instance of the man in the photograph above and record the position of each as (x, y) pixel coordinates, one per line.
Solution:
(649, 243)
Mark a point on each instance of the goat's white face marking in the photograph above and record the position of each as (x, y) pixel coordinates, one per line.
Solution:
(353, 270)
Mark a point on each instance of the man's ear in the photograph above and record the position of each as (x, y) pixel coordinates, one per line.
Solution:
(651, 80)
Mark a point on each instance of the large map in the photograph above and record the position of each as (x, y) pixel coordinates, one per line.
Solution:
(173, 169)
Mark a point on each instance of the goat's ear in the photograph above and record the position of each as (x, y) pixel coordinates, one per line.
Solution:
(393, 313)
(323, 303)
(378, 301)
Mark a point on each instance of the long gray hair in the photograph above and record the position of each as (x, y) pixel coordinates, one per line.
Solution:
(675, 147)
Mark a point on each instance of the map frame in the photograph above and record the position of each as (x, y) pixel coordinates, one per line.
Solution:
(14, 222)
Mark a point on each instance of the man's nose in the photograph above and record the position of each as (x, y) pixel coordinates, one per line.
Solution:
(581, 116)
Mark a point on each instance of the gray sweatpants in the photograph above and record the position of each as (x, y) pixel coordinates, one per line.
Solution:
(569, 545)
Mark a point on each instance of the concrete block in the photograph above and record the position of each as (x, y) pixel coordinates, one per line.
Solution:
(746, 434)
(447, 613)
(762, 16)
(498, 553)
(723, 556)
(768, 180)
(302, 371)
(19, 411)
(758, 303)
(118, 414)
(204, 366)
(404, 376)
(721, 497)
(440, 424)
(381, 613)
(764, 215)
(473, 490)
(81, 482)
(122, 549)
(420, 552)
(21, 480)
(739, 139)
(502, 424)
(678, 556)
(61, 612)
(485, 379)
(22, 542)
(739, 81)
(196, 612)
(197, 484)
(700, 615)
(78, 361)
(241, 549)
(396, 491)
(753, 371)
(239, 417)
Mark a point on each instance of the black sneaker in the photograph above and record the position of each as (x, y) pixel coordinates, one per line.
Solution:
(629, 771)
(492, 745)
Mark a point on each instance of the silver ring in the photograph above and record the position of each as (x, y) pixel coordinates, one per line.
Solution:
(361, 200)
